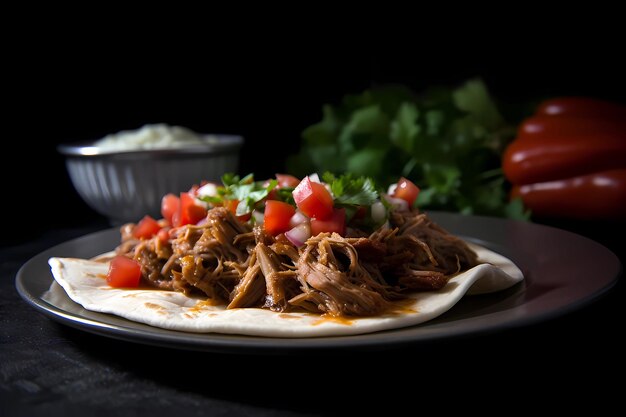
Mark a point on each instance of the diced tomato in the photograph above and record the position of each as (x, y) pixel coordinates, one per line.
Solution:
(231, 205)
(336, 223)
(313, 199)
(169, 205)
(277, 217)
(146, 228)
(407, 191)
(286, 180)
(189, 212)
(164, 234)
(123, 272)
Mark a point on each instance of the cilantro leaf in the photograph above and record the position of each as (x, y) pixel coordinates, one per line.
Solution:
(247, 191)
(404, 128)
(285, 194)
(515, 210)
(230, 179)
(350, 190)
(211, 199)
(474, 98)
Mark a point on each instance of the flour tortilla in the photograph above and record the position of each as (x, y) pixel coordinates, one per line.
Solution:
(83, 281)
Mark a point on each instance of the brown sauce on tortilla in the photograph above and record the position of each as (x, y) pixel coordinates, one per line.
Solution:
(288, 316)
(325, 318)
(397, 308)
(200, 305)
(401, 307)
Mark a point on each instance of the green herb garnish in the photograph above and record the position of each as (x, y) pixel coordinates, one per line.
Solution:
(247, 191)
(351, 190)
(447, 141)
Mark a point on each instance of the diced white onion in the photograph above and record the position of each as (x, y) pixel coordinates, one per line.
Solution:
(392, 189)
(299, 234)
(297, 219)
(379, 213)
(315, 178)
(199, 202)
(258, 216)
(330, 191)
(207, 190)
(396, 203)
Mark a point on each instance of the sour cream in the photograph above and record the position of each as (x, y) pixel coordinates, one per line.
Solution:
(151, 136)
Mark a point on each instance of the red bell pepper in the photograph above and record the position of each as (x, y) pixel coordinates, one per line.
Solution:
(546, 127)
(527, 161)
(581, 106)
(601, 195)
(569, 160)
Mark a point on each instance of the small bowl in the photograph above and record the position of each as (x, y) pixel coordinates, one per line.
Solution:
(126, 185)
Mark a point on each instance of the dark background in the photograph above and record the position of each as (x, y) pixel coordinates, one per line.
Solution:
(67, 91)
(69, 94)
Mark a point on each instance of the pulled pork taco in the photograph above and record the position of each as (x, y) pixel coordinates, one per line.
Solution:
(285, 258)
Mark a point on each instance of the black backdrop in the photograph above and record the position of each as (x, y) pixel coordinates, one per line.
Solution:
(66, 91)
(268, 97)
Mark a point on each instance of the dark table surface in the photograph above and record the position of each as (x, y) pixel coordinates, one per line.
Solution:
(47, 368)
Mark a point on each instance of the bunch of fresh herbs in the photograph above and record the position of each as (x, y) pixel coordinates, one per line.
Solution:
(449, 141)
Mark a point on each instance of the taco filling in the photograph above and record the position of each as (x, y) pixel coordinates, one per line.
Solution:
(354, 266)
(283, 249)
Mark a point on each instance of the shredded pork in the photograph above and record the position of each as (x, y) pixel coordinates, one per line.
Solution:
(230, 262)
